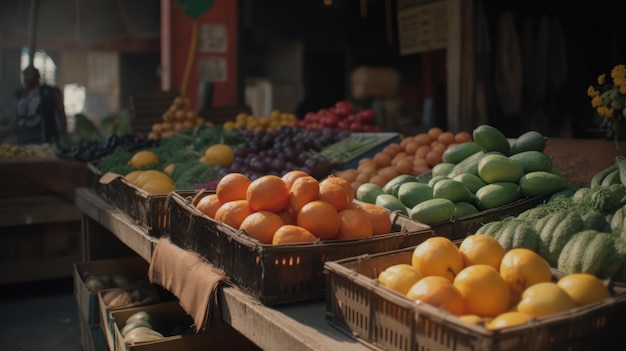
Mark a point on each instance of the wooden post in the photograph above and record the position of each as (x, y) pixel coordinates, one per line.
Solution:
(460, 65)
(32, 31)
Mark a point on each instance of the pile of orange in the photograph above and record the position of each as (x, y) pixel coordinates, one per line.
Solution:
(294, 208)
(178, 117)
(482, 284)
(414, 155)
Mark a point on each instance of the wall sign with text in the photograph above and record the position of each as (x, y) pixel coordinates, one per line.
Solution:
(422, 25)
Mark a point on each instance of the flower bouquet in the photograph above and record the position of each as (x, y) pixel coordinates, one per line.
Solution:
(609, 100)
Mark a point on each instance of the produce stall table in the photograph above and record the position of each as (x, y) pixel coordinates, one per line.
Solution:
(107, 232)
(39, 223)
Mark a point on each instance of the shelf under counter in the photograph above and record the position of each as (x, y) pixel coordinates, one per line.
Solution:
(297, 326)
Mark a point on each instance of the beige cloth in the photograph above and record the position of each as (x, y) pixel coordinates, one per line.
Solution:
(190, 278)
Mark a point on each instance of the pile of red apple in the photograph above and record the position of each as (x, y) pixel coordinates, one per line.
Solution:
(340, 116)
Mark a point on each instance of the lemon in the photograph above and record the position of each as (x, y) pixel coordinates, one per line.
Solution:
(132, 176)
(169, 169)
(143, 158)
(219, 155)
(150, 175)
(159, 186)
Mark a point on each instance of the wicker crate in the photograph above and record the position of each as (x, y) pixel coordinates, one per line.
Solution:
(148, 210)
(358, 305)
(275, 274)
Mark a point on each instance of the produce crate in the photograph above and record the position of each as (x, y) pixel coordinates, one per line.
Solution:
(358, 305)
(143, 294)
(276, 274)
(172, 320)
(459, 228)
(147, 210)
(352, 162)
(91, 336)
(135, 268)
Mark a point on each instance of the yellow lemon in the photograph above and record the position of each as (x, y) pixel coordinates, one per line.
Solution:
(219, 155)
(399, 277)
(508, 319)
(584, 288)
(143, 158)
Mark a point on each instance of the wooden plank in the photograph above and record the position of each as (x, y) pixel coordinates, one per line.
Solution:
(37, 213)
(38, 269)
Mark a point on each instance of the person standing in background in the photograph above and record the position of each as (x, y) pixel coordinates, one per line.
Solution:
(40, 112)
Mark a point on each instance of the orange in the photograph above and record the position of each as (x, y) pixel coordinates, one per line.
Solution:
(288, 215)
(354, 224)
(399, 277)
(334, 194)
(382, 159)
(438, 256)
(439, 292)
(508, 319)
(320, 218)
(232, 186)
(434, 157)
(233, 213)
(292, 234)
(423, 139)
(484, 291)
(434, 133)
(209, 204)
(462, 137)
(262, 225)
(345, 184)
(268, 192)
(584, 288)
(303, 190)
(521, 268)
(481, 249)
(544, 299)
(290, 177)
(379, 217)
(446, 138)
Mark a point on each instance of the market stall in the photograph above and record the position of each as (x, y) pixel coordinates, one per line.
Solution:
(39, 222)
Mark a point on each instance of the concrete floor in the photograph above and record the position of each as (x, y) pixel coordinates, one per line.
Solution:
(39, 316)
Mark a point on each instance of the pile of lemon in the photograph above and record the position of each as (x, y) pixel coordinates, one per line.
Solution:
(150, 180)
(256, 123)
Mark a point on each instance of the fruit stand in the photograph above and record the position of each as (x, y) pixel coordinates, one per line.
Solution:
(325, 288)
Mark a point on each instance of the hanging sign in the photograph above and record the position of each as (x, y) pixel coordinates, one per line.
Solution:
(422, 25)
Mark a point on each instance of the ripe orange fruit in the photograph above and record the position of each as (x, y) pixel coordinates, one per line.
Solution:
(399, 277)
(379, 217)
(233, 213)
(262, 225)
(288, 215)
(446, 138)
(292, 234)
(232, 186)
(334, 194)
(462, 137)
(508, 319)
(439, 292)
(481, 249)
(521, 268)
(354, 224)
(303, 190)
(438, 256)
(345, 184)
(484, 291)
(584, 288)
(209, 204)
(434, 133)
(290, 177)
(320, 218)
(268, 192)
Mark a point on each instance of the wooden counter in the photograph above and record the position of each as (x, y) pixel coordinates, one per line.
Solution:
(581, 159)
(107, 232)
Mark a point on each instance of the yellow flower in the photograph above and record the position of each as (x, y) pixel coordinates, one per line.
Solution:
(596, 101)
(609, 112)
(591, 91)
(618, 71)
(617, 81)
(602, 79)
(622, 89)
(601, 111)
